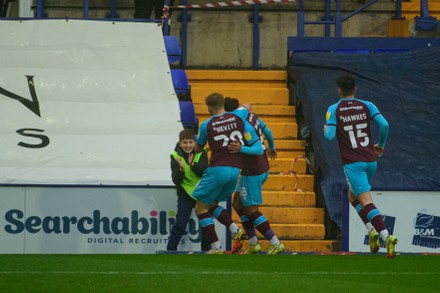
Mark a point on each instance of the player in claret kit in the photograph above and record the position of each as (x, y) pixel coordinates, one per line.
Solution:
(254, 174)
(349, 121)
(220, 179)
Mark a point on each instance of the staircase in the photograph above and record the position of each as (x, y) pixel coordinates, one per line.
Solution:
(291, 213)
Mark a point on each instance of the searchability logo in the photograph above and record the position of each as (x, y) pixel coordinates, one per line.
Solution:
(159, 223)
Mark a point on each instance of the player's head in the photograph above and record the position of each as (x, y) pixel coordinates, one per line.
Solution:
(346, 85)
(231, 104)
(215, 103)
(187, 140)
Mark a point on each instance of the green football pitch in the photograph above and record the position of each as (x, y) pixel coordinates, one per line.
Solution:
(219, 273)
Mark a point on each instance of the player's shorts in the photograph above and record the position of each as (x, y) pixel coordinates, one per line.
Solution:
(250, 189)
(217, 184)
(359, 176)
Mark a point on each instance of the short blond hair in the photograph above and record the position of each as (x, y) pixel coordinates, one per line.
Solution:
(215, 101)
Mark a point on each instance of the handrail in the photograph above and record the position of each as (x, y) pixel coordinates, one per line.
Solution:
(40, 9)
(339, 19)
(185, 18)
(256, 19)
(86, 9)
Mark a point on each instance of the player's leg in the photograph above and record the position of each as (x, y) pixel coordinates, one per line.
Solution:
(217, 184)
(359, 175)
(358, 179)
(372, 233)
(390, 240)
(242, 199)
(205, 195)
(251, 197)
(358, 207)
(245, 221)
(231, 177)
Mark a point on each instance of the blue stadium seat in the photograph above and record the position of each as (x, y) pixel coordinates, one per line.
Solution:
(181, 85)
(172, 47)
(188, 115)
(352, 51)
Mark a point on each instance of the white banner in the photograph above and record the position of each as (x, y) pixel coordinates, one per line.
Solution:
(58, 220)
(85, 102)
(412, 216)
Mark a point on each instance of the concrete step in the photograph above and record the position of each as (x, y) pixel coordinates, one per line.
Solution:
(289, 154)
(289, 215)
(288, 145)
(265, 96)
(297, 231)
(281, 182)
(292, 215)
(268, 113)
(289, 198)
(283, 165)
(237, 75)
(220, 84)
(266, 119)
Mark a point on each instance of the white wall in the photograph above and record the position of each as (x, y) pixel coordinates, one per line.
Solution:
(412, 216)
(85, 102)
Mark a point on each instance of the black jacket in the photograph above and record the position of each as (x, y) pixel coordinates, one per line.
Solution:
(177, 175)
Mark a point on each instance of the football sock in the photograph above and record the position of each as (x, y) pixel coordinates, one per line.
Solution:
(274, 241)
(262, 225)
(253, 240)
(224, 217)
(216, 245)
(247, 226)
(376, 219)
(207, 225)
(384, 234)
(362, 215)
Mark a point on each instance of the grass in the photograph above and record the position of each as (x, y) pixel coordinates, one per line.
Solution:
(219, 273)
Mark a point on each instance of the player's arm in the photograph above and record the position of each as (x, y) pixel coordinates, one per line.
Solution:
(384, 129)
(203, 137)
(272, 152)
(379, 148)
(241, 112)
(256, 149)
(267, 134)
(329, 131)
(330, 123)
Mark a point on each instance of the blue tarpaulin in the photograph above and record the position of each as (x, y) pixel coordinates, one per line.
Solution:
(406, 89)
